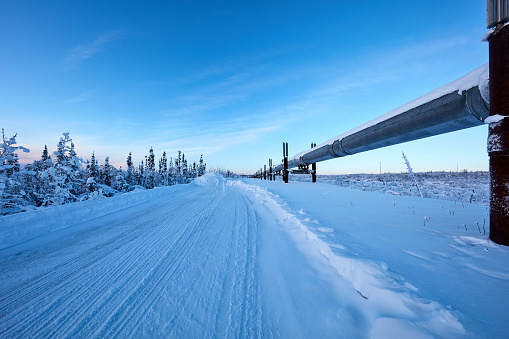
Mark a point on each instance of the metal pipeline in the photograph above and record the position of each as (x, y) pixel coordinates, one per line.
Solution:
(455, 106)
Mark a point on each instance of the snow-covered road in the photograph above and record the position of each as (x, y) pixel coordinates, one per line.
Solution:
(199, 263)
(231, 258)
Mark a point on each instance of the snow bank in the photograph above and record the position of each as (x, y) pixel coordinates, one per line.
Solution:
(392, 306)
(45, 220)
(209, 178)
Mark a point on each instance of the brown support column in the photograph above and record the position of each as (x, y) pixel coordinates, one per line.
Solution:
(498, 135)
(313, 166)
(285, 170)
(270, 169)
(285, 162)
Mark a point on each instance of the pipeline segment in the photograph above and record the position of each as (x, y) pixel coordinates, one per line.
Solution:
(455, 106)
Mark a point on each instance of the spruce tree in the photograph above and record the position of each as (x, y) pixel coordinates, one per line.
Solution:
(201, 166)
(92, 175)
(62, 180)
(150, 173)
(12, 196)
(107, 173)
(46, 159)
(171, 172)
(184, 167)
(131, 172)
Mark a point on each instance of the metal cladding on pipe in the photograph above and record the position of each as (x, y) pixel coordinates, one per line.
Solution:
(455, 106)
(496, 11)
(448, 113)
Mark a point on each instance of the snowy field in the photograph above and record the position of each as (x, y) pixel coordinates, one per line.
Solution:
(462, 187)
(252, 258)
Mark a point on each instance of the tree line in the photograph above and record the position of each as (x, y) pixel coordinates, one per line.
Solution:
(64, 177)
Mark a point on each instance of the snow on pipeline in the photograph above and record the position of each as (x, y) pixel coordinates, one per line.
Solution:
(392, 307)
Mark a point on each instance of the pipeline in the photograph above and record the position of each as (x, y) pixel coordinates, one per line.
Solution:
(460, 104)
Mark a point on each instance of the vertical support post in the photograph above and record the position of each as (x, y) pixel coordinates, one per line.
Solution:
(313, 167)
(264, 172)
(285, 162)
(270, 169)
(261, 174)
(498, 135)
(285, 171)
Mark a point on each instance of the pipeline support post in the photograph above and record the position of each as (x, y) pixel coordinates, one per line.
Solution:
(498, 135)
(313, 167)
(285, 162)
(270, 169)
(264, 172)
(285, 171)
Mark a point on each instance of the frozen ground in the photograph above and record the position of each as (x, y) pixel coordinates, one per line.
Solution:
(461, 187)
(251, 258)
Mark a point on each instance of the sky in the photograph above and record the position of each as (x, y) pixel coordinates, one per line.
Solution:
(233, 80)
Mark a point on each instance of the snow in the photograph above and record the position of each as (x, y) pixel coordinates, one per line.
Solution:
(484, 85)
(252, 258)
(494, 118)
(488, 34)
(18, 228)
(495, 141)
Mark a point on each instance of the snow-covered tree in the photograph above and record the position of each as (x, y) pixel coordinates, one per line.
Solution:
(62, 177)
(193, 172)
(47, 182)
(107, 173)
(131, 171)
(163, 169)
(43, 187)
(184, 168)
(141, 173)
(120, 183)
(72, 159)
(171, 172)
(92, 175)
(201, 166)
(11, 191)
(150, 175)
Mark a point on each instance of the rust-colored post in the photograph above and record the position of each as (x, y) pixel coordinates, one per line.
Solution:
(313, 167)
(498, 135)
(270, 169)
(285, 162)
(285, 170)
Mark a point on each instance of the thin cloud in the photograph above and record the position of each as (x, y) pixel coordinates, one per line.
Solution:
(78, 54)
(197, 104)
(78, 98)
(385, 67)
(214, 141)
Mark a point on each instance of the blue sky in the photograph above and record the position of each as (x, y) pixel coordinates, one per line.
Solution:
(232, 80)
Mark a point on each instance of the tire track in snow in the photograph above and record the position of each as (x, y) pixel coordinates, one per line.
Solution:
(134, 309)
(200, 251)
(72, 298)
(32, 287)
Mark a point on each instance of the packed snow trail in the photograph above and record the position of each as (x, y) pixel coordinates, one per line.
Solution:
(199, 263)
